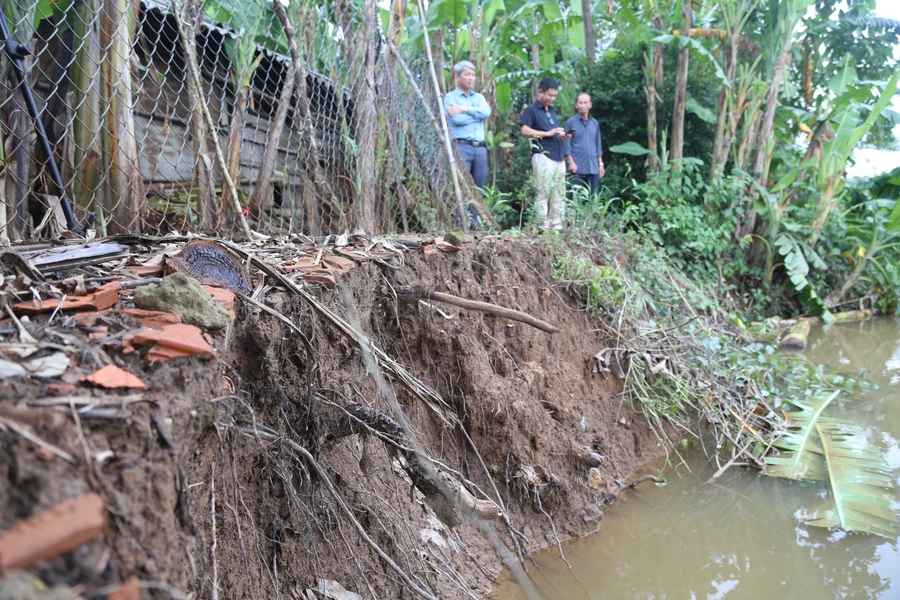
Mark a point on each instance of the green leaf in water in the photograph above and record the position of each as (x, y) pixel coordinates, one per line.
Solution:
(860, 479)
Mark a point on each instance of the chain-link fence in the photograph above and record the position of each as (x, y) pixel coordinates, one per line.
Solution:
(154, 108)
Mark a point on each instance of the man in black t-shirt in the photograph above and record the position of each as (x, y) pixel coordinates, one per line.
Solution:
(539, 122)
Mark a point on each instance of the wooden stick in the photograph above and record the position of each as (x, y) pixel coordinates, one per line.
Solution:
(486, 307)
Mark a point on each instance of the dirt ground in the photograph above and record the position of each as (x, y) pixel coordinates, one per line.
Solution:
(208, 496)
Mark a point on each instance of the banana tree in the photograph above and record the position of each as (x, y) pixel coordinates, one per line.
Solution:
(780, 21)
(732, 94)
(876, 235)
(849, 132)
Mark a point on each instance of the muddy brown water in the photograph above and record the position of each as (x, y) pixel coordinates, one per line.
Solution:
(743, 537)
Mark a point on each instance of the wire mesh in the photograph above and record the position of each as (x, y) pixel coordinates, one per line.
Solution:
(331, 138)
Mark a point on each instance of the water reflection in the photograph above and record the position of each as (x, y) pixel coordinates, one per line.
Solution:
(744, 537)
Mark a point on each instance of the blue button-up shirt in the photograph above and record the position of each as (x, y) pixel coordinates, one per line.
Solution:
(467, 125)
(585, 146)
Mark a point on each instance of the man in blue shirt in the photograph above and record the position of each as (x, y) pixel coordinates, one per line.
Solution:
(548, 149)
(586, 155)
(467, 111)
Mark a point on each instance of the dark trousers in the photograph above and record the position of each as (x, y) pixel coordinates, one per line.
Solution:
(476, 161)
(590, 182)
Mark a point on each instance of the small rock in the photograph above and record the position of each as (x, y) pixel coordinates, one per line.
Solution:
(454, 238)
(594, 480)
(622, 421)
(185, 297)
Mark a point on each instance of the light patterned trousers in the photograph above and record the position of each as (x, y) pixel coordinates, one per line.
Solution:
(550, 183)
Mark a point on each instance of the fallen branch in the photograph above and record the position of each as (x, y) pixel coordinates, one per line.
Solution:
(636, 483)
(485, 307)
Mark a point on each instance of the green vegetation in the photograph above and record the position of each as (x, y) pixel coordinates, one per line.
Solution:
(743, 186)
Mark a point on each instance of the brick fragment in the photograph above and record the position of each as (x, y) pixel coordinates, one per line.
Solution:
(130, 590)
(50, 533)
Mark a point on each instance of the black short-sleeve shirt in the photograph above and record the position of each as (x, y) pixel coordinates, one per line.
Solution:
(536, 117)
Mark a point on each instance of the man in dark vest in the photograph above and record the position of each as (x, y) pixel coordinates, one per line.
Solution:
(540, 123)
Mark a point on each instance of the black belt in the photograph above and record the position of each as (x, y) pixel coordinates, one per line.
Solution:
(470, 143)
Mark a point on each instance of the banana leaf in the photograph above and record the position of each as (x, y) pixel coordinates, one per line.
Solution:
(805, 460)
(861, 482)
(818, 448)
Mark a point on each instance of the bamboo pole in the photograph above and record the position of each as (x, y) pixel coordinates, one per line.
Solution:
(203, 169)
(457, 190)
(194, 72)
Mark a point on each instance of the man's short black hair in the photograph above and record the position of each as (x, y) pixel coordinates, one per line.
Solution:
(548, 83)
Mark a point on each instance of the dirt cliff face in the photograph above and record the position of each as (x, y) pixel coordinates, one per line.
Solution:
(208, 492)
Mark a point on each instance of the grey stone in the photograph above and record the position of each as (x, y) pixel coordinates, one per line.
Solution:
(185, 297)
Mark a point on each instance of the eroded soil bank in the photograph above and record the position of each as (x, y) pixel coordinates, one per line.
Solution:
(207, 494)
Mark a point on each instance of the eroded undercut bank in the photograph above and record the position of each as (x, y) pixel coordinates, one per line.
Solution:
(362, 438)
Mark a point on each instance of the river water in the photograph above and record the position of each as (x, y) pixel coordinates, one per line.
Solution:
(743, 537)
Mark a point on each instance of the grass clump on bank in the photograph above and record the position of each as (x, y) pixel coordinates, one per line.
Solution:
(679, 355)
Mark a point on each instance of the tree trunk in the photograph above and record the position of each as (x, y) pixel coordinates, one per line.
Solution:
(365, 122)
(235, 143)
(262, 191)
(681, 78)
(437, 51)
(826, 205)
(315, 183)
(535, 57)
(590, 42)
(395, 28)
(768, 121)
(125, 181)
(722, 141)
(652, 66)
(764, 132)
(86, 128)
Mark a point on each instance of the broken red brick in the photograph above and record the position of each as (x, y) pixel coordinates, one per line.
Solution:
(60, 389)
(339, 264)
(152, 318)
(102, 298)
(44, 454)
(323, 276)
(173, 341)
(429, 250)
(50, 533)
(101, 332)
(304, 263)
(222, 297)
(130, 590)
(113, 377)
